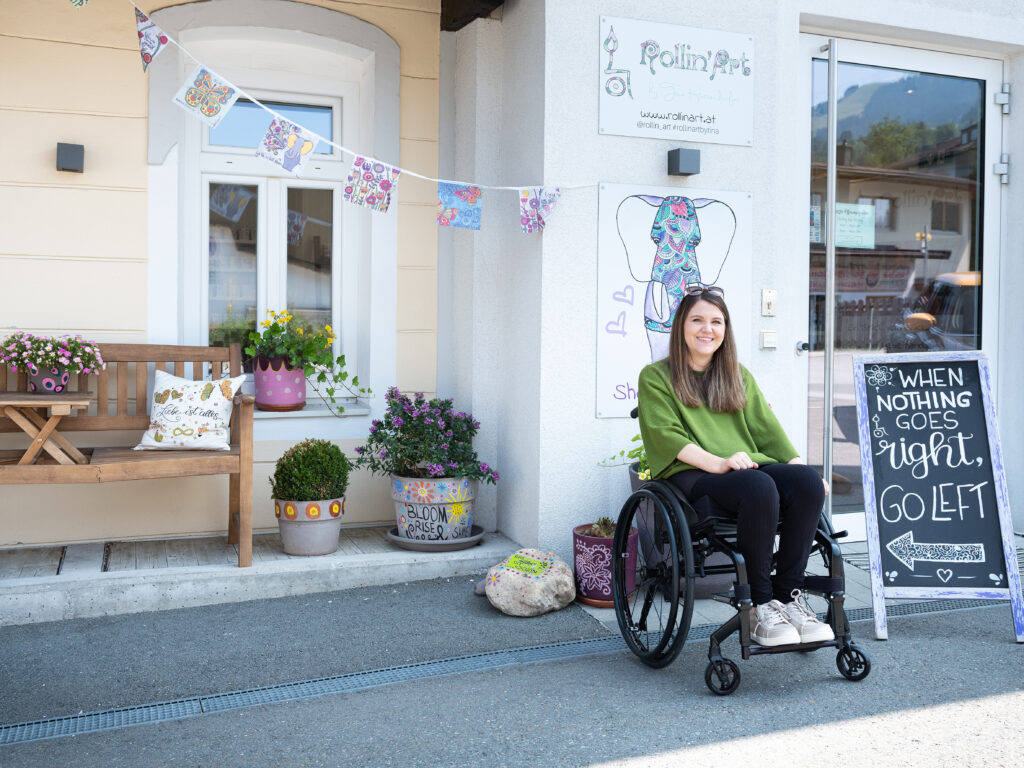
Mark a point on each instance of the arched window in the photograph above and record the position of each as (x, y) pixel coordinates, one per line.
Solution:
(232, 236)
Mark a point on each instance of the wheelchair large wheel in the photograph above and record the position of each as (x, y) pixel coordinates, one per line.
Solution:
(654, 597)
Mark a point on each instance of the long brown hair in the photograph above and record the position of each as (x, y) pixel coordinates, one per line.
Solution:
(721, 387)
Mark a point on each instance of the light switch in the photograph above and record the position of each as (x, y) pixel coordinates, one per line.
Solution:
(769, 339)
(768, 296)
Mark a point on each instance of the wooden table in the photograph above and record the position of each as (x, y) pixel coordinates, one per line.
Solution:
(20, 407)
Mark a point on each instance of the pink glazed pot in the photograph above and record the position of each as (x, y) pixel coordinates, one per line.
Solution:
(279, 387)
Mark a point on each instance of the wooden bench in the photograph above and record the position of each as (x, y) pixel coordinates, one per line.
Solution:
(119, 401)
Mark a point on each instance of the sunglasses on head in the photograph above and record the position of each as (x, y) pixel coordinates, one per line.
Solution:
(696, 289)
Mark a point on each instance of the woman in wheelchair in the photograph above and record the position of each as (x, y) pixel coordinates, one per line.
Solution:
(708, 430)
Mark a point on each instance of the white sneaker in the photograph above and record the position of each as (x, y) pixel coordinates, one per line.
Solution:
(770, 625)
(806, 622)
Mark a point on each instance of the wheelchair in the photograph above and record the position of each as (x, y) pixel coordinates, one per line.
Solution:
(653, 584)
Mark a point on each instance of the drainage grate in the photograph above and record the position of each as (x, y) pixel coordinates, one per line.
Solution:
(179, 709)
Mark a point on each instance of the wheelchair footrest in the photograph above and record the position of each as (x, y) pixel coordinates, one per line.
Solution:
(823, 584)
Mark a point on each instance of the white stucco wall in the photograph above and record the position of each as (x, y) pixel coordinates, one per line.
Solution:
(529, 333)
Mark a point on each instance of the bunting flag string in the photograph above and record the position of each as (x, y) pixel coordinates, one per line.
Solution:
(152, 39)
(206, 96)
(535, 206)
(371, 182)
(459, 206)
(287, 145)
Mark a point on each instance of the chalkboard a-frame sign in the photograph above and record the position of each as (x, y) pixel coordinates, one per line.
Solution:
(936, 506)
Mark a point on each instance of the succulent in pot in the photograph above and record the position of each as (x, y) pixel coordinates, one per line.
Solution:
(592, 546)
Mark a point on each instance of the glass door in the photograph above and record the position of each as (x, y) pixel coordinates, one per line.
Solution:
(916, 205)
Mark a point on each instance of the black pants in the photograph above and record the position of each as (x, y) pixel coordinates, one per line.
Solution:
(760, 499)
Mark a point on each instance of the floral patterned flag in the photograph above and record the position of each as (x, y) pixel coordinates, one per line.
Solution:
(535, 206)
(296, 226)
(152, 39)
(458, 205)
(287, 145)
(206, 96)
(371, 183)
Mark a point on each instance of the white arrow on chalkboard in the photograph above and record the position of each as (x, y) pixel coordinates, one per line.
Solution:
(905, 550)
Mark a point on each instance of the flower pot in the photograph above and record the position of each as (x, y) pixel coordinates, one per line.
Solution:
(703, 587)
(592, 564)
(433, 509)
(279, 387)
(309, 527)
(47, 380)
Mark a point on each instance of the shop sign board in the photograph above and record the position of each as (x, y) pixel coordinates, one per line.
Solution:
(666, 81)
(936, 504)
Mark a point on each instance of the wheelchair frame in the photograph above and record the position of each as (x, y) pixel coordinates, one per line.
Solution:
(681, 541)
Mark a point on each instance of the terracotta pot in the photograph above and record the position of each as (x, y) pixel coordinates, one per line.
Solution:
(47, 380)
(279, 387)
(434, 508)
(592, 564)
(309, 527)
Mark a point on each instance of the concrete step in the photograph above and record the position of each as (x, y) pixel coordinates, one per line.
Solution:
(83, 590)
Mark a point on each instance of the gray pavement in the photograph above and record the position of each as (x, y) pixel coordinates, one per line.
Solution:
(61, 668)
(946, 689)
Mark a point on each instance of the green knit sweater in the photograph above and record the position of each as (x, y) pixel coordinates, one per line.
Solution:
(668, 426)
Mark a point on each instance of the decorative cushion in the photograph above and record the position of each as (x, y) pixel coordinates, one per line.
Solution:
(189, 415)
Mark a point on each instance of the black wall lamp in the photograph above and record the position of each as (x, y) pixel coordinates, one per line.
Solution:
(71, 157)
(683, 162)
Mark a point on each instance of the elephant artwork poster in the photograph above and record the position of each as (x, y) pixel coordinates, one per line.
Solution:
(652, 241)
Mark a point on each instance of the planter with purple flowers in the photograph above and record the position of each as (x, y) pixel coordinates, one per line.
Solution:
(50, 361)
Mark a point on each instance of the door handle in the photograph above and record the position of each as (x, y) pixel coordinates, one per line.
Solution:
(801, 347)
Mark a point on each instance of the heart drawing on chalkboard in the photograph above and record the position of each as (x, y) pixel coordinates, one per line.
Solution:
(944, 574)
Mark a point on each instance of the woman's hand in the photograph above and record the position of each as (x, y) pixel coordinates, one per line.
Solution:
(738, 460)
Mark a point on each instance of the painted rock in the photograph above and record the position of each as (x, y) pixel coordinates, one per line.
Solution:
(530, 582)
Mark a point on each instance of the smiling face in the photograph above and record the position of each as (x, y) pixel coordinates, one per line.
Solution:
(703, 332)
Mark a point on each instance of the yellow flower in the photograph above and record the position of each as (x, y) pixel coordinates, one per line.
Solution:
(328, 329)
(300, 331)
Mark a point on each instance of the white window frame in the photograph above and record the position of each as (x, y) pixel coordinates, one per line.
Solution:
(272, 260)
(307, 100)
(328, 49)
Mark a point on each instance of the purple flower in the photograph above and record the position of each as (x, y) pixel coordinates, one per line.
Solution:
(398, 421)
(360, 450)
(444, 446)
(382, 454)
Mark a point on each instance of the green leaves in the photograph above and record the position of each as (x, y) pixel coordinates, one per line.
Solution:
(311, 471)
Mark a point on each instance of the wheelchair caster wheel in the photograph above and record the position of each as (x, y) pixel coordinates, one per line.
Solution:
(853, 664)
(722, 677)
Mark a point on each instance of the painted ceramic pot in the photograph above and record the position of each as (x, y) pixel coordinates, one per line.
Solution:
(309, 527)
(279, 387)
(592, 564)
(433, 509)
(47, 380)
